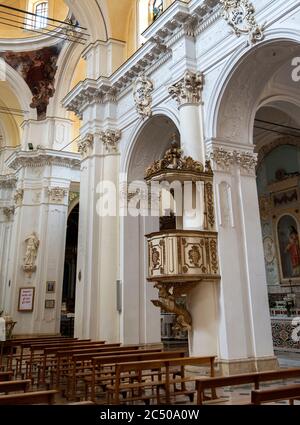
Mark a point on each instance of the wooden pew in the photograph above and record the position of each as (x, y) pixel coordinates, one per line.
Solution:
(39, 348)
(16, 343)
(15, 386)
(99, 363)
(82, 365)
(61, 358)
(54, 352)
(237, 380)
(164, 379)
(6, 376)
(291, 393)
(39, 397)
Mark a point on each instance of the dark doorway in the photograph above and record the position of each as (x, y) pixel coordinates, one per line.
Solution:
(69, 284)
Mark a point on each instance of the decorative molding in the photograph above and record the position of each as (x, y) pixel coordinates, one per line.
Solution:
(240, 15)
(57, 194)
(188, 89)
(32, 247)
(8, 182)
(110, 140)
(142, 89)
(19, 196)
(85, 145)
(178, 21)
(223, 160)
(43, 158)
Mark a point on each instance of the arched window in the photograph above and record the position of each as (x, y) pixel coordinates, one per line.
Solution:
(156, 8)
(41, 15)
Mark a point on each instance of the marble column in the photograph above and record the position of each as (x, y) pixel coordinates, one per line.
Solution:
(244, 327)
(7, 211)
(98, 248)
(202, 300)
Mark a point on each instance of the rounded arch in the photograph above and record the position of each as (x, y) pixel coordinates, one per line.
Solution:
(66, 66)
(73, 205)
(21, 91)
(92, 17)
(135, 136)
(223, 98)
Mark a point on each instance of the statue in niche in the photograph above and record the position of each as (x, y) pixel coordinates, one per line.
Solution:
(33, 244)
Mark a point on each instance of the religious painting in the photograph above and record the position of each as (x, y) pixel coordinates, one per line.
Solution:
(51, 287)
(38, 68)
(289, 247)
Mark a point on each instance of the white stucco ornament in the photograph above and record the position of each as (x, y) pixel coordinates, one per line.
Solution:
(142, 93)
(240, 15)
(33, 244)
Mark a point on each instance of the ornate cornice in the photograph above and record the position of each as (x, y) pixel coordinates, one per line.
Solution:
(223, 160)
(142, 94)
(179, 20)
(85, 145)
(188, 89)
(8, 181)
(110, 140)
(42, 158)
(240, 15)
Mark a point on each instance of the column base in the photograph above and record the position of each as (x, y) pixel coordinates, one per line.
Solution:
(251, 365)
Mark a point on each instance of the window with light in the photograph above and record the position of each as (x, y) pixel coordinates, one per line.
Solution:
(41, 12)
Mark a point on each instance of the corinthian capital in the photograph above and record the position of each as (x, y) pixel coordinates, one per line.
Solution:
(188, 89)
(86, 144)
(110, 140)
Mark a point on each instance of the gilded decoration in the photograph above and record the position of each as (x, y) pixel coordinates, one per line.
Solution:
(169, 296)
(240, 15)
(174, 160)
(9, 212)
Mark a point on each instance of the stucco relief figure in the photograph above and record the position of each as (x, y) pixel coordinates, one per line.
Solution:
(143, 88)
(33, 244)
(168, 302)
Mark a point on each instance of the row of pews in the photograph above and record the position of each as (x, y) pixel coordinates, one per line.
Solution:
(58, 370)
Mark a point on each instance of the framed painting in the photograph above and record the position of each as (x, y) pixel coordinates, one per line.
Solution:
(51, 287)
(26, 299)
(289, 247)
(50, 304)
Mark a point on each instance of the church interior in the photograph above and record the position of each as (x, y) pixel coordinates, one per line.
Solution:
(149, 202)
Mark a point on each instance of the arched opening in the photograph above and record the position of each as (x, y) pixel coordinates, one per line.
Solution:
(278, 182)
(142, 322)
(70, 267)
(258, 108)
